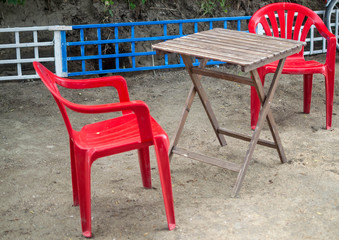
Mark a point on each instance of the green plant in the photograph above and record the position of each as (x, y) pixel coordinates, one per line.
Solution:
(108, 5)
(14, 2)
(224, 5)
(209, 6)
(132, 4)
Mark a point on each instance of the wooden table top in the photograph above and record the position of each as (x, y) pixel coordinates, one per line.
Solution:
(248, 50)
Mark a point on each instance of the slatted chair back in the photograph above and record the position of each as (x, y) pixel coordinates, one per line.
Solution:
(286, 20)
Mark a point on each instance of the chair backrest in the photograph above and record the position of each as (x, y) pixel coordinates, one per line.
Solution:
(51, 80)
(294, 21)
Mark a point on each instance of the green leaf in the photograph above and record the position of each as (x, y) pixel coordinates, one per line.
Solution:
(132, 6)
(14, 2)
(110, 12)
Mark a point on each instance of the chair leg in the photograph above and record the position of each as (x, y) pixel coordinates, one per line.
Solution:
(255, 102)
(145, 167)
(308, 79)
(161, 148)
(329, 85)
(84, 190)
(74, 174)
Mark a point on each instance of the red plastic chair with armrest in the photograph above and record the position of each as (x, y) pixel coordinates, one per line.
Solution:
(135, 129)
(291, 28)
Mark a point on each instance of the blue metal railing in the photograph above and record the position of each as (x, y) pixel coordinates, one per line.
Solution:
(133, 54)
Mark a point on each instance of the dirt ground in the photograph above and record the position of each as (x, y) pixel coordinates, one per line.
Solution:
(296, 200)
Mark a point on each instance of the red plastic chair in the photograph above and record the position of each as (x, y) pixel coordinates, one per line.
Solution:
(135, 129)
(295, 64)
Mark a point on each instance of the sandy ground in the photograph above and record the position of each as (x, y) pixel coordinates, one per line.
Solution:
(296, 200)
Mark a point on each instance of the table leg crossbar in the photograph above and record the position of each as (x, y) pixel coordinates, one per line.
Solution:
(265, 113)
(211, 160)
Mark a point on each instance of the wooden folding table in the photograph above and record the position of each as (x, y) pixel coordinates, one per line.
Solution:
(250, 51)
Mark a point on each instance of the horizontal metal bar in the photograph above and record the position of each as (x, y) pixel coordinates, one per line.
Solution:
(135, 54)
(246, 138)
(40, 28)
(24, 29)
(162, 22)
(119, 70)
(320, 12)
(77, 58)
(125, 70)
(60, 28)
(314, 52)
(18, 77)
(26, 60)
(210, 160)
(315, 39)
(22, 45)
(96, 42)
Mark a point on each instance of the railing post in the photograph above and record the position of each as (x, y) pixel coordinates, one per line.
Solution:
(35, 40)
(116, 36)
(82, 49)
(60, 61)
(166, 55)
(133, 48)
(64, 54)
(195, 27)
(99, 48)
(57, 53)
(312, 40)
(18, 54)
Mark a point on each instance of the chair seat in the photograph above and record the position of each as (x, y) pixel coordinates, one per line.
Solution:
(114, 133)
(297, 65)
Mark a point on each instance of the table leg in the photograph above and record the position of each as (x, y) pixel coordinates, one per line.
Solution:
(270, 119)
(264, 113)
(184, 115)
(185, 112)
(203, 96)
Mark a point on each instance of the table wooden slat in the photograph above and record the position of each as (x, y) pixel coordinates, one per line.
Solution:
(243, 41)
(248, 50)
(242, 45)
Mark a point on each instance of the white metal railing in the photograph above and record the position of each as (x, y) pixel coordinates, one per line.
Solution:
(18, 45)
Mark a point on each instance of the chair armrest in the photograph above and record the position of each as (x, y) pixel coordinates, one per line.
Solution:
(331, 44)
(105, 108)
(118, 82)
(331, 53)
(139, 108)
(324, 31)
